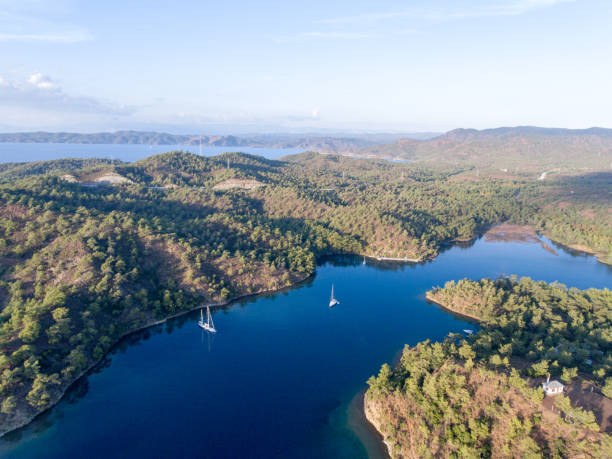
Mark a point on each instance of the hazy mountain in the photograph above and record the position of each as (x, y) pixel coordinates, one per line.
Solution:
(327, 142)
(519, 148)
(323, 143)
(513, 148)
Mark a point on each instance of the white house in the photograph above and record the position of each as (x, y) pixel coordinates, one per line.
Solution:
(552, 387)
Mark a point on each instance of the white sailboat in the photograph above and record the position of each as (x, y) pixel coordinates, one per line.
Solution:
(364, 261)
(333, 302)
(209, 324)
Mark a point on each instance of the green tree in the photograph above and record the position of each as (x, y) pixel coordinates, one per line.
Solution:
(8, 405)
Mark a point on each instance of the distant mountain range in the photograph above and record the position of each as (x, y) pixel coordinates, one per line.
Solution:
(512, 148)
(321, 143)
(515, 148)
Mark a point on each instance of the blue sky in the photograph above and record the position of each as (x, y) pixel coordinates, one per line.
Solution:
(243, 66)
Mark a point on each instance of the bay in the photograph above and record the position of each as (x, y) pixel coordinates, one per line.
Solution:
(278, 378)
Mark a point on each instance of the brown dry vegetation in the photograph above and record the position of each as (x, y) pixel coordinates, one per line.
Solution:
(517, 425)
(482, 396)
(245, 184)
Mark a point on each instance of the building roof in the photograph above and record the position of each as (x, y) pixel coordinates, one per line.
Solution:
(553, 385)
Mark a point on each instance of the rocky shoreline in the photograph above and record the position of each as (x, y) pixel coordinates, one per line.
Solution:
(372, 415)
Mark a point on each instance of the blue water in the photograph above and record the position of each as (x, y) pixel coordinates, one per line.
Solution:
(278, 378)
(21, 152)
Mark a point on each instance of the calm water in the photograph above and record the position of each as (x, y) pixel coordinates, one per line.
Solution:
(278, 378)
(20, 152)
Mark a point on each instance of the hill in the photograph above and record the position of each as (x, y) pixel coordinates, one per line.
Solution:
(482, 397)
(91, 250)
(513, 150)
(321, 143)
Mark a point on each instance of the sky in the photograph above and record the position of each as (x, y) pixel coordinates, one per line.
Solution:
(232, 66)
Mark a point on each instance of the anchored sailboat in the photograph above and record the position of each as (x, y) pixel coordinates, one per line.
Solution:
(208, 325)
(333, 302)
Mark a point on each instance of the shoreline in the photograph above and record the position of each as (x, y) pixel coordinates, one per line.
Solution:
(368, 411)
(531, 231)
(405, 259)
(365, 430)
(55, 399)
(580, 248)
(369, 414)
(450, 310)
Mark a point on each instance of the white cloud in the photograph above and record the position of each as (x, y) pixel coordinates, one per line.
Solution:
(39, 93)
(41, 81)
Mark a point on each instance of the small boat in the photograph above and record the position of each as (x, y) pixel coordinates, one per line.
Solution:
(209, 326)
(364, 262)
(333, 302)
(468, 331)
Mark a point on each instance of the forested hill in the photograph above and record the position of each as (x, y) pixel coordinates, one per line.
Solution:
(480, 396)
(315, 142)
(513, 149)
(93, 249)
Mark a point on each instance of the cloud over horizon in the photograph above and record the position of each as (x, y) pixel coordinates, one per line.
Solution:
(418, 66)
(37, 101)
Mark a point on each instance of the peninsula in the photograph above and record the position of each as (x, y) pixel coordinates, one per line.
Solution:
(482, 395)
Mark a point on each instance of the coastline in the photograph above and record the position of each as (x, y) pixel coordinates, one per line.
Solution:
(26, 419)
(406, 259)
(365, 430)
(580, 248)
(371, 418)
(370, 412)
(56, 397)
(450, 310)
(368, 406)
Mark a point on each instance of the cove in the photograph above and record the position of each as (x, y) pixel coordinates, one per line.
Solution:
(278, 378)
